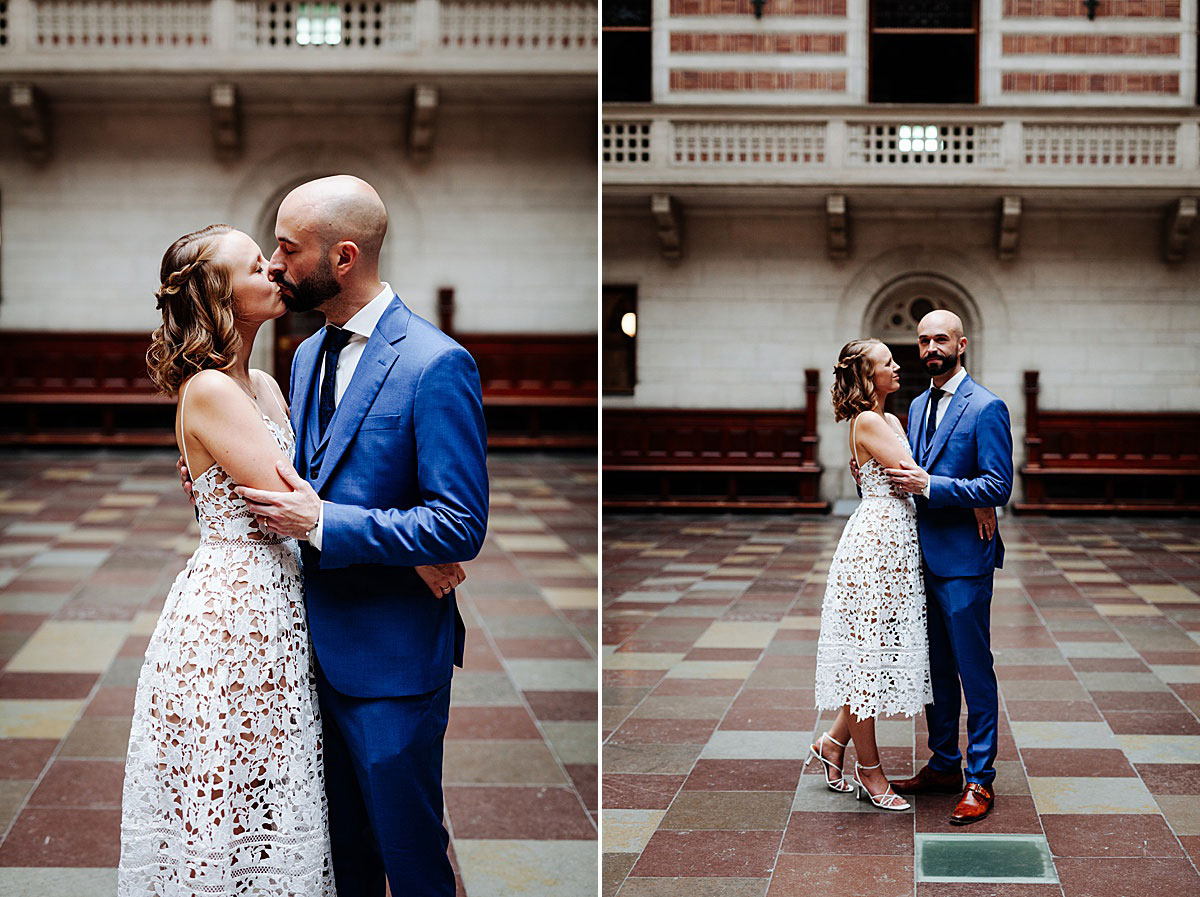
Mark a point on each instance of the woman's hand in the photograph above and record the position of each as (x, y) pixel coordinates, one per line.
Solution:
(441, 578)
(985, 519)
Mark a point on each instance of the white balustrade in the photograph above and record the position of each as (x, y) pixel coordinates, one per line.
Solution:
(625, 143)
(748, 143)
(649, 146)
(379, 25)
(73, 25)
(920, 142)
(1100, 146)
(484, 25)
(547, 35)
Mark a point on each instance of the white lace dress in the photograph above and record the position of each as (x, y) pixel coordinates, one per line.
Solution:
(873, 651)
(224, 785)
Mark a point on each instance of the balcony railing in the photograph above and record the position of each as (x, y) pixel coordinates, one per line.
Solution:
(658, 146)
(538, 35)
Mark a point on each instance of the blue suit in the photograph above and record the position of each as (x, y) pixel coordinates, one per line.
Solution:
(970, 465)
(403, 469)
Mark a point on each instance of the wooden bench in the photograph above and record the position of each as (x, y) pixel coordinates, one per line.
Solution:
(713, 458)
(80, 389)
(539, 389)
(1109, 462)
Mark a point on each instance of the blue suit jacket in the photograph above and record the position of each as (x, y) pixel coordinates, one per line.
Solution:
(404, 468)
(970, 465)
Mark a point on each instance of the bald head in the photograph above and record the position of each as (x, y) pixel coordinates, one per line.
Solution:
(941, 320)
(337, 209)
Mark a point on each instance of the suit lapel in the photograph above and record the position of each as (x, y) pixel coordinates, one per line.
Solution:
(916, 414)
(958, 404)
(372, 369)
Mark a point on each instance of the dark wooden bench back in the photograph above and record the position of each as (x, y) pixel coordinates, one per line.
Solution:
(36, 362)
(1109, 460)
(699, 438)
(535, 365)
(713, 457)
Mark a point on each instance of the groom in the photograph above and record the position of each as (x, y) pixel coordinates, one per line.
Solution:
(391, 455)
(961, 440)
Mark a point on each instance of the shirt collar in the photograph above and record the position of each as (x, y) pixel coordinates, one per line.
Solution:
(950, 387)
(364, 320)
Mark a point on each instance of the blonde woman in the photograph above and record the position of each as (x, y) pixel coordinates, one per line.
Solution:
(872, 656)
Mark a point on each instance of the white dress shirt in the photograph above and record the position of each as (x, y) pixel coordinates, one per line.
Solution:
(361, 326)
(949, 388)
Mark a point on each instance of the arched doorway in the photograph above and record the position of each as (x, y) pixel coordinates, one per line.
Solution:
(893, 315)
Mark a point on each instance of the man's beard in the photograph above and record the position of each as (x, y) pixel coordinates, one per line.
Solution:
(313, 291)
(942, 366)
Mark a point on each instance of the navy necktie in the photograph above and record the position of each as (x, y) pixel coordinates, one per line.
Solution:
(335, 340)
(935, 396)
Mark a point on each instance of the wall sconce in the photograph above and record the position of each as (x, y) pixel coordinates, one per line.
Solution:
(759, 4)
(1090, 6)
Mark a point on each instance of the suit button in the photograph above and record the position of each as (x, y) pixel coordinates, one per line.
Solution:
(316, 472)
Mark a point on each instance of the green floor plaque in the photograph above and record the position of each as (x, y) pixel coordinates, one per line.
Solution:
(1020, 859)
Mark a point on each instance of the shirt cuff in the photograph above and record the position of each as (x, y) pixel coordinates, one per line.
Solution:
(925, 491)
(314, 534)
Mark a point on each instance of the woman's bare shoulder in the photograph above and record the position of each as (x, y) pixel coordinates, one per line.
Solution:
(871, 422)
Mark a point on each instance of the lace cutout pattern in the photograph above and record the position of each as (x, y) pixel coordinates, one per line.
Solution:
(224, 783)
(873, 651)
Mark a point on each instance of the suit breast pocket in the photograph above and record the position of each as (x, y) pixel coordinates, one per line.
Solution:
(381, 422)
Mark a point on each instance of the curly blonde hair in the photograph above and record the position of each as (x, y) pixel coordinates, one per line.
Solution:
(853, 389)
(196, 300)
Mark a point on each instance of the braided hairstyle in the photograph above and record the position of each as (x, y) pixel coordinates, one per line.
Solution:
(853, 388)
(196, 300)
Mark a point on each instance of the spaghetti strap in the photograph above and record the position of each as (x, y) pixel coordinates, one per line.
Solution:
(182, 432)
(278, 404)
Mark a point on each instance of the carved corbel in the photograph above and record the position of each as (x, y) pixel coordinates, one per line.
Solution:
(421, 122)
(226, 122)
(668, 222)
(837, 226)
(1009, 230)
(1180, 218)
(29, 107)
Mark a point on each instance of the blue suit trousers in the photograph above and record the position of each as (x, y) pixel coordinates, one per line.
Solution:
(960, 651)
(383, 780)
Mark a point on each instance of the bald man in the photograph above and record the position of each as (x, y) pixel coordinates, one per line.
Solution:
(391, 455)
(961, 441)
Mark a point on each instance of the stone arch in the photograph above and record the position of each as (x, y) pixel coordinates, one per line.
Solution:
(908, 272)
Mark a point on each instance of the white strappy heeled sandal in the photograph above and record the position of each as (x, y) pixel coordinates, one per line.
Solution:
(839, 784)
(888, 800)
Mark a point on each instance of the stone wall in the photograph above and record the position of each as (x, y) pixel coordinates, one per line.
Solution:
(756, 300)
(504, 212)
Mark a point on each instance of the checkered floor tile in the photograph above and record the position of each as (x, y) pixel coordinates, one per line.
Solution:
(90, 543)
(710, 628)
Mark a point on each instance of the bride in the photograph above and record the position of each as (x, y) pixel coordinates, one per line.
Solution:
(872, 654)
(224, 784)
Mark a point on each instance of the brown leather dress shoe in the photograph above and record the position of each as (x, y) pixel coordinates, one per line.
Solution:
(929, 781)
(976, 803)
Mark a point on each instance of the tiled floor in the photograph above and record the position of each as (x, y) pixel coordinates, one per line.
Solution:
(89, 545)
(710, 626)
